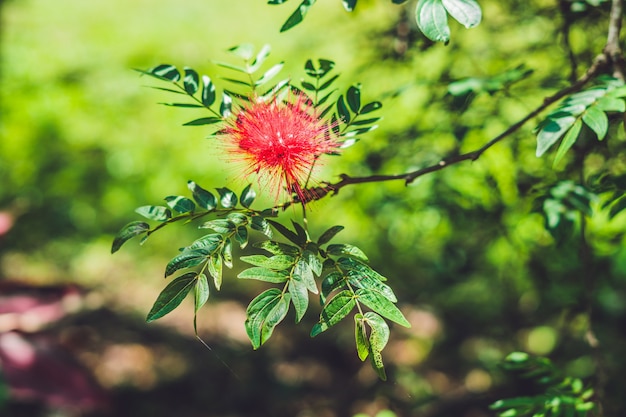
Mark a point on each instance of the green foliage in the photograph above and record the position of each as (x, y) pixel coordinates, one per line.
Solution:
(431, 15)
(581, 114)
(560, 396)
(346, 281)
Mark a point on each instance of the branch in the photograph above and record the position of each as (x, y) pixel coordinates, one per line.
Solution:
(598, 66)
(611, 57)
(612, 50)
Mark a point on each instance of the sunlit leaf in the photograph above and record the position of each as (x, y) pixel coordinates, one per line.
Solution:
(204, 198)
(214, 267)
(208, 91)
(337, 308)
(568, 141)
(551, 131)
(263, 314)
(158, 213)
(247, 196)
(219, 225)
(382, 306)
(360, 336)
(349, 4)
(269, 74)
(201, 292)
(191, 82)
(346, 249)
(187, 259)
(129, 231)
(228, 199)
(276, 262)
(244, 51)
(278, 248)
(180, 204)
(302, 271)
(597, 121)
(165, 72)
(466, 12)
(260, 224)
(299, 297)
(432, 20)
(264, 274)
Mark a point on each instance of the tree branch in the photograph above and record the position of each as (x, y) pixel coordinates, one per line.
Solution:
(610, 58)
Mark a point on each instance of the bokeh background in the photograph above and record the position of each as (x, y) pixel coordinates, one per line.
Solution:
(84, 142)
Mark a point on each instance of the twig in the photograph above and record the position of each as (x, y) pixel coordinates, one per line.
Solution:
(312, 194)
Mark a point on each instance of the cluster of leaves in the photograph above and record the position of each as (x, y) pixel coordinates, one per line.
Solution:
(346, 281)
(562, 207)
(346, 121)
(560, 396)
(581, 115)
(431, 15)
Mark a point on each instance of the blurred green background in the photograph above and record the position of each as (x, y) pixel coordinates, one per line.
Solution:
(84, 143)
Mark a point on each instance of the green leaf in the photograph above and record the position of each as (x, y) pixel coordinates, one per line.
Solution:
(313, 261)
(432, 20)
(382, 306)
(365, 280)
(568, 141)
(187, 259)
(261, 56)
(379, 336)
(278, 248)
(597, 121)
(158, 213)
(208, 91)
(370, 107)
(247, 196)
(339, 307)
(353, 95)
(264, 274)
(165, 72)
(342, 110)
(219, 225)
(215, 270)
(225, 107)
(360, 335)
(260, 224)
(231, 67)
(227, 253)
(191, 82)
(209, 242)
(204, 198)
(298, 15)
(263, 314)
(327, 84)
(241, 236)
(184, 105)
(269, 74)
(201, 292)
(228, 199)
(346, 249)
(238, 218)
(551, 131)
(611, 104)
(299, 297)
(129, 231)
(244, 51)
(172, 296)
(349, 5)
(287, 233)
(351, 264)
(617, 207)
(308, 86)
(180, 204)
(332, 282)
(203, 121)
(329, 234)
(302, 271)
(466, 12)
(276, 262)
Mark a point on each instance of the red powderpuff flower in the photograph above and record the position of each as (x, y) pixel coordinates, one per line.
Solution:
(279, 141)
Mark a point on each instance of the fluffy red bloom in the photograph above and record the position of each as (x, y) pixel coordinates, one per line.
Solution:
(279, 141)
